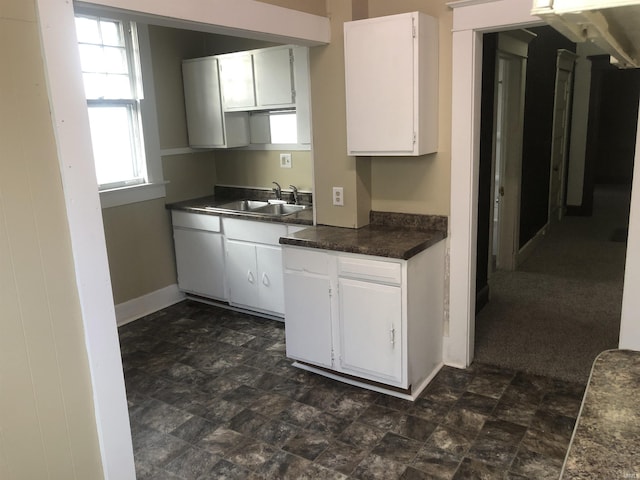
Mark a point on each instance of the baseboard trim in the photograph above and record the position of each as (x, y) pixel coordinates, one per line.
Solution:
(531, 245)
(136, 308)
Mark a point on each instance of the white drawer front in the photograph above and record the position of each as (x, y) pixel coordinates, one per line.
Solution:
(386, 272)
(255, 232)
(306, 260)
(198, 221)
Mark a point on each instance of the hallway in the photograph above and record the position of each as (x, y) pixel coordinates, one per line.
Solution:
(562, 306)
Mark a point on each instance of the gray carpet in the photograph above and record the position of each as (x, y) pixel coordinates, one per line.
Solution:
(562, 306)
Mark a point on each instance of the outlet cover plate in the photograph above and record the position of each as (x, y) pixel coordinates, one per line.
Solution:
(338, 196)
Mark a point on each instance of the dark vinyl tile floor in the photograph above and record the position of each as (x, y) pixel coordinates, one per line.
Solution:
(212, 396)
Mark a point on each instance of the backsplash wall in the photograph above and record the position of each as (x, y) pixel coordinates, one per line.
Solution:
(253, 168)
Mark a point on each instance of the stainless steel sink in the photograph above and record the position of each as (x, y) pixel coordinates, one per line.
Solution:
(279, 209)
(259, 208)
(242, 205)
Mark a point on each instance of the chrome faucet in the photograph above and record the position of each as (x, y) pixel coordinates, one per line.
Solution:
(294, 194)
(277, 190)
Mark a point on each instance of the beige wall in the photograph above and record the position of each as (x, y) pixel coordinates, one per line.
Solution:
(419, 184)
(47, 421)
(316, 7)
(140, 248)
(260, 168)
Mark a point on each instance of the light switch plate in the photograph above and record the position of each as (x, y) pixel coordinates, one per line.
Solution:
(285, 160)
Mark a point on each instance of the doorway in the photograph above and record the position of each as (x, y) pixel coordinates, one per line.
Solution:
(566, 296)
(509, 90)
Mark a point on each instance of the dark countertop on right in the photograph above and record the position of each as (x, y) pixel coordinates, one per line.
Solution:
(606, 438)
(393, 235)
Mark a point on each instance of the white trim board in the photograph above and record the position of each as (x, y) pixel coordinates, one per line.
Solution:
(137, 308)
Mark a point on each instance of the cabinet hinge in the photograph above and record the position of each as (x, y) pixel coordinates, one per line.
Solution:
(414, 137)
(333, 358)
(330, 292)
(413, 27)
(293, 96)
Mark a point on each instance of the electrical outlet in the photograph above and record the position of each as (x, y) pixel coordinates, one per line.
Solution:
(285, 160)
(338, 196)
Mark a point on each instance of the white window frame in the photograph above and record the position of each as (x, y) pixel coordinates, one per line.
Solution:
(154, 187)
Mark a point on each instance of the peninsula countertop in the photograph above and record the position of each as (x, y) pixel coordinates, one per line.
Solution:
(390, 235)
(606, 438)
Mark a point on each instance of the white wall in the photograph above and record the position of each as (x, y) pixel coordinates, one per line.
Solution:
(630, 323)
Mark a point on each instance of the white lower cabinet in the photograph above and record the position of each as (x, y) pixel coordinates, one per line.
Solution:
(255, 276)
(199, 254)
(308, 304)
(363, 317)
(253, 263)
(370, 329)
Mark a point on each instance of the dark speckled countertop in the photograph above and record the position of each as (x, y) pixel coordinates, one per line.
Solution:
(606, 438)
(390, 235)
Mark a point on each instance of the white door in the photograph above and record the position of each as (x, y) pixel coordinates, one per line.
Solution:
(561, 108)
(370, 330)
(273, 77)
(308, 318)
(242, 276)
(200, 262)
(507, 149)
(270, 282)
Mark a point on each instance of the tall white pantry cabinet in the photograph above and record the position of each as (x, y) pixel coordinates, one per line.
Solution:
(391, 77)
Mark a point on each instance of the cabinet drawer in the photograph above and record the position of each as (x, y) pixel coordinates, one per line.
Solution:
(306, 261)
(386, 272)
(196, 221)
(255, 232)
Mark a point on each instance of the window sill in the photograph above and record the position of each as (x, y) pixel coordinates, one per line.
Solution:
(116, 197)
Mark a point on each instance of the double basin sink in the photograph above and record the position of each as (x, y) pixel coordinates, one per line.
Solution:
(260, 208)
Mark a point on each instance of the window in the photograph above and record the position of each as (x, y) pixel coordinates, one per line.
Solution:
(113, 87)
(273, 127)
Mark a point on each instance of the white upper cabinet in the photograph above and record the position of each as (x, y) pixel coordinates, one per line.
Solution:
(274, 77)
(391, 78)
(236, 78)
(207, 125)
(257, 79)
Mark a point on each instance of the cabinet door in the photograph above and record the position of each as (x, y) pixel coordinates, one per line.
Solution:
(379, 76)
(273, 77)
(200, 262)
(270, 282)
(242, 276)
(371, 330)
(308, 318)
(236, 78)
(203, 103)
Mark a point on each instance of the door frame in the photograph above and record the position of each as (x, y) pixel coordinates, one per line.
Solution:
(512, 47)
(470, 20)
(565, 62)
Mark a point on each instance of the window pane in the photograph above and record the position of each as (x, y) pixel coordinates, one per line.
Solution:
(118, 86)
(115, 60)
(284, 128)
(94, 85)
(87, 30)
(111, 33)
(113, 141)
(91, 58)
